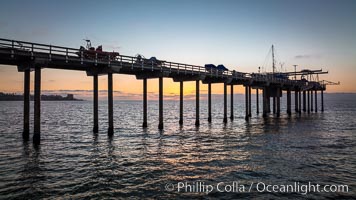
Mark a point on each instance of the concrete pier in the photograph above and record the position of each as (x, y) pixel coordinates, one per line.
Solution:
(37, 108)
(209, 102)
(160, 106)
(110, 105)
(225, 103)
(232, 102)
(95, 99)
(26, 106)
(28, 55)
(181, 103)
(197, 122)
(257, 103)
(144, 124)
(316, 101)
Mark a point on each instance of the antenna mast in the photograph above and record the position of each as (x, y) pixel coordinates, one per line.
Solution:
(273, 64)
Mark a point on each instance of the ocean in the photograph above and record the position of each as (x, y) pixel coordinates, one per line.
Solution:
(273, 158)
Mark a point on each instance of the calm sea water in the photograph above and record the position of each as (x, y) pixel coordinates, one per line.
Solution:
(137, 163)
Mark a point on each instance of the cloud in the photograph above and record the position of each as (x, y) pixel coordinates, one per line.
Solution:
(307, 56)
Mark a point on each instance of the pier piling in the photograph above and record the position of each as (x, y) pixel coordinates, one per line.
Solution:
(246, 102)
(304, 101)
(308, 101)
(197, 122)
(110, 105)
(311, 101)
(257, 103)
(289, 102)
(95, 99)
(209, 102)
(300, 102)
(249, 101)
(316, 101)
(232, 103)
(160, 118)
(278, 99)
(322, 100)
(225, 103)
(37, 108)
(181, 103)
(144, 124)
(268, 98)
(296, 101)
(26, 106)
(264, 103)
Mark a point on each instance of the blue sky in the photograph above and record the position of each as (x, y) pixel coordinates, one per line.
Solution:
(313, 34)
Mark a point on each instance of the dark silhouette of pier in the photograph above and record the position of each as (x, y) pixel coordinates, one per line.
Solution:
(30, 57)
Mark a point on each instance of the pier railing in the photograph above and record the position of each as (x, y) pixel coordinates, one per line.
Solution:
(73, 54)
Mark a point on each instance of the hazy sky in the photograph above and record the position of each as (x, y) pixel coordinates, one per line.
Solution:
(312, 34)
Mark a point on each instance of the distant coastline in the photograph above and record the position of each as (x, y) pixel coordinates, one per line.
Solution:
(19, 97)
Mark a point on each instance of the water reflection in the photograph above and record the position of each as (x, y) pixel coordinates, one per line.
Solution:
(136, 163)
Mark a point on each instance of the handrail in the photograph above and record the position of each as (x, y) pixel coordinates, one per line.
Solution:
(53, 50)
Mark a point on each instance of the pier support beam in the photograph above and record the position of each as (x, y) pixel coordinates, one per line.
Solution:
(181, 103)
(308, 102)
(296, 101)
(257, 103)
(225, 103)
(197, 122)
(322, 100)
(311, 101)
(110, 105)
(37, 108)
(144, 124)
(95, 99)
(209, 102)
(26, 106)
(289, 112)
(304, 102)
(278, 99)
(249, 101)
(268, 98)
(300, 102)
(160, 106)
(264, 103)
(316, 101)
(246, 102)
(232, 103)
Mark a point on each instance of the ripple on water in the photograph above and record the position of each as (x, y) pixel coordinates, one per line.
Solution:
(72, 162)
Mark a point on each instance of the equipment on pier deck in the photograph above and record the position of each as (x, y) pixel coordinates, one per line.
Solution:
(90, 52)
(140, 59)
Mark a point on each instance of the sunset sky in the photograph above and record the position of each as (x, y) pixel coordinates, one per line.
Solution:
(311, 34)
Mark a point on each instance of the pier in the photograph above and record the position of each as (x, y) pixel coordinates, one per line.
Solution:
(32, 57)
